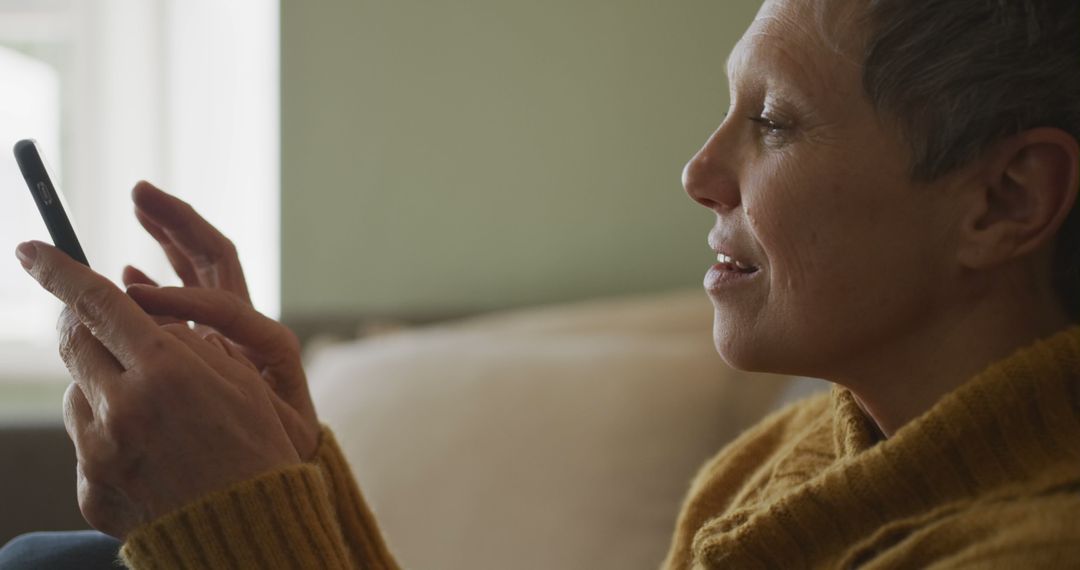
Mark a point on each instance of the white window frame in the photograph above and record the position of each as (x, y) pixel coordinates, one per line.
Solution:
(184, 93)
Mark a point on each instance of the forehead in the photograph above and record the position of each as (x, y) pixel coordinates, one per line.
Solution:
(812, 42)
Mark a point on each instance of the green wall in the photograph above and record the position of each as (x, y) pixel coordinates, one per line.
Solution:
(445, 157)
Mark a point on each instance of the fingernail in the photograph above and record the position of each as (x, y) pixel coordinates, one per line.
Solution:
(26, 252)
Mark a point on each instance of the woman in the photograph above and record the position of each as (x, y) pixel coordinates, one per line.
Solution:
(893, 189)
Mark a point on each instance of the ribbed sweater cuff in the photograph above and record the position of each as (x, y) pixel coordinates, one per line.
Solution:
(282, 519)
(357, 521)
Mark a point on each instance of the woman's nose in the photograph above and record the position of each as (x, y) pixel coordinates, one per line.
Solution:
(709, 179)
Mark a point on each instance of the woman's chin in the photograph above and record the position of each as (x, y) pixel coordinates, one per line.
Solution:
(735, 348)
(746, 347)
(737, 361)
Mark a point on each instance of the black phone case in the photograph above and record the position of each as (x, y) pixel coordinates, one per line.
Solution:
(48, 200)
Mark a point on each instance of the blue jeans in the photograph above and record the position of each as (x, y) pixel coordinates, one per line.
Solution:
(77, 550)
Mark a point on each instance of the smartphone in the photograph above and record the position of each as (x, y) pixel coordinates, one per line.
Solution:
(48, 199)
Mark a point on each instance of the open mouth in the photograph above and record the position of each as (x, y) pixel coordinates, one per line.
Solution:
(729, 263)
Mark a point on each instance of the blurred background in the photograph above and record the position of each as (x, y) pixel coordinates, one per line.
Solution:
(384, 159)
(374, 161)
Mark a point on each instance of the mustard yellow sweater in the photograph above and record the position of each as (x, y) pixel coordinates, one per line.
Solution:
(307, 516)
(988, 478)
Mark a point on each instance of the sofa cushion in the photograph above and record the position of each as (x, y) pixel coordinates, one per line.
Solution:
(560, 437)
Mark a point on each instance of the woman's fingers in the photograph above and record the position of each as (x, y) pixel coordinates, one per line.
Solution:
(211, 255)
(78, 414)
(229, 349)
(303, 434)
(227, 313)
(135, 276)
(208, 350)
(101, 504)
(271, 347)
(156, 421)
(179, 261)
(112, 317)
(213, 348)
(91, 365)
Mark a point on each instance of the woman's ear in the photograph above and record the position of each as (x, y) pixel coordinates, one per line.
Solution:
(1029, 185)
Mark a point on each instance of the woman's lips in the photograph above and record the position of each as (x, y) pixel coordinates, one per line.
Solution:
(724, 275)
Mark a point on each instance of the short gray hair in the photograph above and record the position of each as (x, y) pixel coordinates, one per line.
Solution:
(958, 75)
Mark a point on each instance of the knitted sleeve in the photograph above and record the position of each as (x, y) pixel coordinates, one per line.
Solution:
(284, 519)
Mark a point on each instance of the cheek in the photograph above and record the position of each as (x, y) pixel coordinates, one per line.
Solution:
(837, 242)
(796, 216)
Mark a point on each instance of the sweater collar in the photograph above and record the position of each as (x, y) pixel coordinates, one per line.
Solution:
(1028, 402)
(1013, 422)
(1012, 429)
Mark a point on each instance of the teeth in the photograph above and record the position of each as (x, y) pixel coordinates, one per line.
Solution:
(723, 258)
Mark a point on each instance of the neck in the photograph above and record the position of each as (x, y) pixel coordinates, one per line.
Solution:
(896, 385)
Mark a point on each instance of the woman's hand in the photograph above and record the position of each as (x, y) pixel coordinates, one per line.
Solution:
(215, 296)
(158, 415)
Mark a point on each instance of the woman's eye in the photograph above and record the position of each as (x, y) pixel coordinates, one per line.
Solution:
(769, 126)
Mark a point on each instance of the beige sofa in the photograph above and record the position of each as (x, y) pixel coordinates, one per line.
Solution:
(561, 437)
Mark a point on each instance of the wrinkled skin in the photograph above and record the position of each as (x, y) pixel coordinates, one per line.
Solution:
(809, 185)
(895, 289)
(161, 413)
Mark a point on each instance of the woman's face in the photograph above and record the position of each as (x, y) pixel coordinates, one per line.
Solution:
(839, 253)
